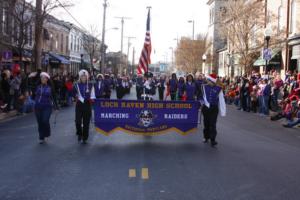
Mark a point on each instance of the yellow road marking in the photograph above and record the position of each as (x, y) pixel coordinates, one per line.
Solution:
(132, 173)
(145, 173)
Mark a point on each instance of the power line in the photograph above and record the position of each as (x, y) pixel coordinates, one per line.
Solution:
(72, 16)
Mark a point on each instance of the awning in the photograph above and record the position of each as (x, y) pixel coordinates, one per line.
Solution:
(55, 58)
(262, 62)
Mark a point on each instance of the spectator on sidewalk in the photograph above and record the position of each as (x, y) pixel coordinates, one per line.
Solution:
(254, 98)
(277, 86)
(5, 87)
(266, 97)
(296, 121)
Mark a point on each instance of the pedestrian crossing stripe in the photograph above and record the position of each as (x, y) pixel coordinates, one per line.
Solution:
(132, 173)
(145, 173)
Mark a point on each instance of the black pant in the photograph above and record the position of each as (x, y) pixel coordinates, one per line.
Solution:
(120, 92)
(43, 119)
(83, 114)
(161, 92)
(210, 116)
(173, 96)
(139, 92)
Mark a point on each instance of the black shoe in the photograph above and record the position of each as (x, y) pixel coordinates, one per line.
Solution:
(79, 138)
(286, 126)
(42, 141)
(213, 143)
(205, 141)
(84, 142)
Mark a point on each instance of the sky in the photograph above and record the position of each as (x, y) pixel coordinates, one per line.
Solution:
(169, 21)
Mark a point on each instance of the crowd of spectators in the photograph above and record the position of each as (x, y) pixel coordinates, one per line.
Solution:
(267, 95)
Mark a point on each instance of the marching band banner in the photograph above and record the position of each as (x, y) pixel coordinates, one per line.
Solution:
(146, 118)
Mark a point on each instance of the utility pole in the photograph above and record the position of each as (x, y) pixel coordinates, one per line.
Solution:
(193, 31)
(287, 53)
(133, 61)
(129, 44)
(122, 38)
(103, 38)
(38, 35)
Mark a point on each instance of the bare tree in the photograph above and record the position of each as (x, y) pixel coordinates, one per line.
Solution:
(91, 44)
(43, 9)
(243, 27)
(23, 19)
(189, 54)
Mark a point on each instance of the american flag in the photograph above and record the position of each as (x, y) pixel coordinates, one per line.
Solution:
(146, 52)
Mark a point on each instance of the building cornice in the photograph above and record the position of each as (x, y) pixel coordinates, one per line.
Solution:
(293, 40)
(210, 2)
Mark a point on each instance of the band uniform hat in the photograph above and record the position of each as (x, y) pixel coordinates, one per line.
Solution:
(45, 74)
(83, 72)
(100, 75)
(148, 75)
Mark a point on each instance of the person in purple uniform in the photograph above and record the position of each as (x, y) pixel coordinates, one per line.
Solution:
(213, 101)
(99, 87)
(190, 88)
(44, 102)
(85, 94)
(173, 85)
(199, 82)
(108, 83)
(181, 89)
(119, 87)
(161, 87)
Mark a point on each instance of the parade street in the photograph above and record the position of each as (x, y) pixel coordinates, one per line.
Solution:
(255, 159)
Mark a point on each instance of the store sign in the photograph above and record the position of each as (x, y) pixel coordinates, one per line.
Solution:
(7, 56)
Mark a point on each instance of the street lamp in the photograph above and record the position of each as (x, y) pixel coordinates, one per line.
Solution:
(204, 57)
(268, 33)
(172, 62)
(193, 22)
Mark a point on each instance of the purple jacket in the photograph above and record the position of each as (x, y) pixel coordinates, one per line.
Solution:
(43, 97)
(190, 89)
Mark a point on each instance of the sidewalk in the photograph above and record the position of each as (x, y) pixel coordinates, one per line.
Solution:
(4, 116)
(281, 121)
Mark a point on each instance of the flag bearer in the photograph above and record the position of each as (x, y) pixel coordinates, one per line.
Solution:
(213, 100)
(139, 86)
(85, 93)
(149, 87)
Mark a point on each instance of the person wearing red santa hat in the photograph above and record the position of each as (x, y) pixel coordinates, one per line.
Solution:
(213, 102)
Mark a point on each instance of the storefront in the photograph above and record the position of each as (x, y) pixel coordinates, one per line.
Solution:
(58, 63)
(274, 64)
(294, 44)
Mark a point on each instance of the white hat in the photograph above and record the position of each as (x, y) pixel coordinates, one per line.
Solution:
(83, 72)
(100, 75)
(190, 74)
(45, 74)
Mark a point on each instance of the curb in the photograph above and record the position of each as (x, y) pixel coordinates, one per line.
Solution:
(4, 116)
